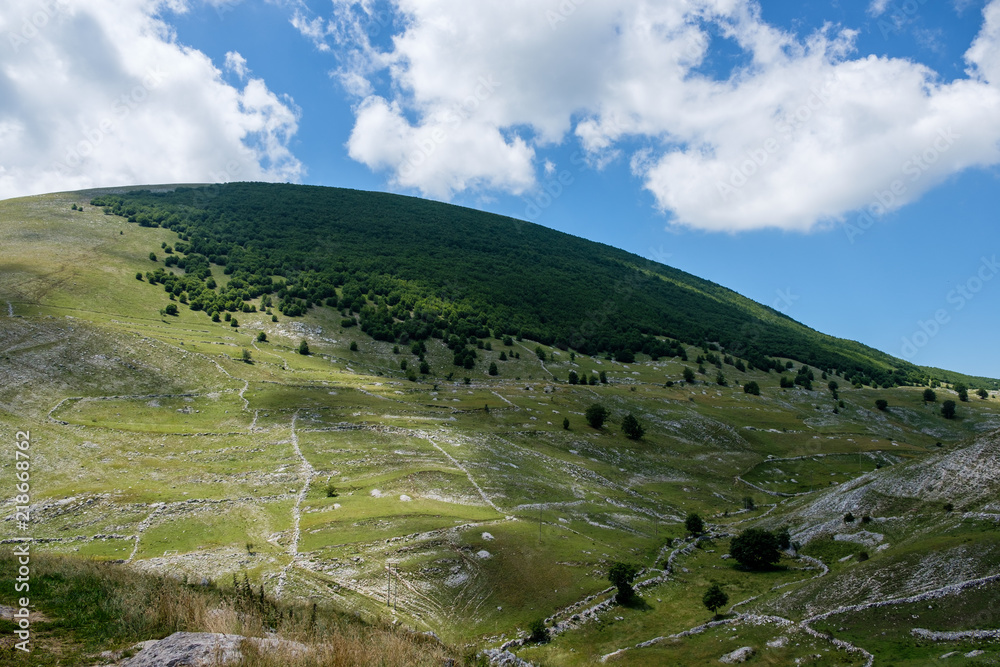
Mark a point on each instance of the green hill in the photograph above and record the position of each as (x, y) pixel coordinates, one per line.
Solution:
(413, 269)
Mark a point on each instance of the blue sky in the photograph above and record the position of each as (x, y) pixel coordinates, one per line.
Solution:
(756, 145)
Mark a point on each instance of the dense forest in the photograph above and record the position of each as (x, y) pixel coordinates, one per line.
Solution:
(406, 269)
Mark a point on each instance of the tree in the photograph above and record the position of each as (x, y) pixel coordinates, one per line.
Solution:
(694, 524)
(493, 368)
(948, 409)
(574, 378)
(171, 309)
(540, 353)
(425, 368)
(631, 427)
(138, 275)
(234, 322)
(603, 377)
(832, 386)
(621, 576)
(748, 503)
(755, 549)
(304, 347)
(596, 415)
(849, 518)
(247, 357)
(688, 375)
(752, 388)
(566, 423)
(962, 391)
(274, 318)
(262, 337)
(152, 256)
(715, 598)
(354, 346)
(720, 380)
(331, 491)
(882, 404)
(929, 395)
(983, 394)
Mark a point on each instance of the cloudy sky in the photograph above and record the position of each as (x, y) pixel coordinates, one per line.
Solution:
(836, 162)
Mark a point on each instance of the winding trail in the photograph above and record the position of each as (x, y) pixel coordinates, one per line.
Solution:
(308, 472)
(458, 465)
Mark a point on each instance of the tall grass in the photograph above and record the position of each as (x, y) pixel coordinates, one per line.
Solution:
(94, 606)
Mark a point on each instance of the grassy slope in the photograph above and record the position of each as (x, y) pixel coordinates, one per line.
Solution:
(160, 410)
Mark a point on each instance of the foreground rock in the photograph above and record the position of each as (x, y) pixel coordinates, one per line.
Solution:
(203, 649)
(738, 656)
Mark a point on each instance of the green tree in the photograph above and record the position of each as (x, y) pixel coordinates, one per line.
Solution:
(247, 356)
(539, 634)
(688, 375)
(540, 353)
(962, 391)
(425, 368)
(715, 598)
(604, 377)
(171, 309)
(566, 423)
(493, 368)
(152, 256)
(234, 322)
(948, 409)
(983, 394)
(573, 377)
(331, 491)
(304, 347)
(354, 346)
(631, 427)
(882, 404)
(694, 524)
(138, 275)
(274, 318)
(755, 549)
(929, 395)
(752, 388)
(621, 575)
(596, 415)
(832, 386)
(262, 337)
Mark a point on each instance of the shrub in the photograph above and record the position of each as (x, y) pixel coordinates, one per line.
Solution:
(539, 633)
(354, 346)
(596, 415)
(304, 347)
(929, 395)
(882, 404)
(752, 388)
(694, 524)
(948, 409)
(631, 427)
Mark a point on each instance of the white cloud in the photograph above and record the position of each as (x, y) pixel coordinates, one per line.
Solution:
(623, 79)
(100, 93)
(878, 7)
(237, 64)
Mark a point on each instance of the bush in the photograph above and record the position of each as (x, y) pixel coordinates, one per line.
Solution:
(929, 395)
(631, 427)
(848, 518)
(247, 356)
(304, 348)
(596, 415)
(688, 375)
(354, 346)
(493, 368)
(752, 388)
(787, 382)
(694, 524)
(262, 337)
(171, 309)
(882, 404)
(755, 549)
(331, 491)
(539, 633)
(862, 556)
(948, 409)
(566, 423)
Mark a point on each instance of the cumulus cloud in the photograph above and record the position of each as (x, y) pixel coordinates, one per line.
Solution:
(99, 92)
(805, 130)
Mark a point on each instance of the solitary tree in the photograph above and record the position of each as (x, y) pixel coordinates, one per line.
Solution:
(983, 394)
(262, 337)
(171, 309)
(566, 423)
(539, 633)
(603, 377)
(621, 576)
(752, 388)
(948, 409)
(962, 391)
(720, 379)
(493, 368)
(425, 368)
(755, 549)
(304, 347)
(929, 395)
(596, 415)
(694, 524)
(631, 427)
(574, 378)
(247, 357)
(882, 404)
(354, 346)
(688, 375)
(715, 598)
